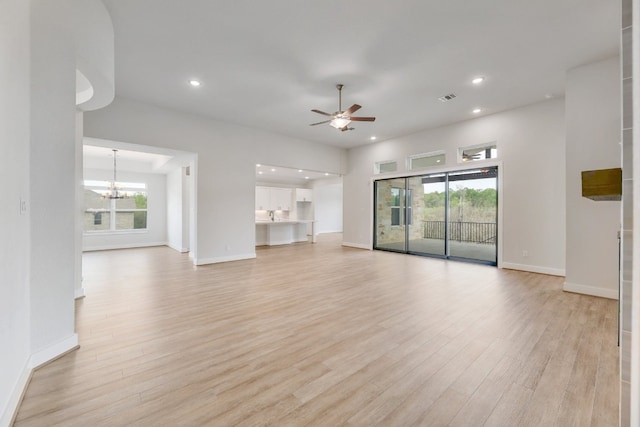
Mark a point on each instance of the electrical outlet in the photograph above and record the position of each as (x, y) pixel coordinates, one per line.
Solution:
(525, 253)
(228, 248)
(23, 206)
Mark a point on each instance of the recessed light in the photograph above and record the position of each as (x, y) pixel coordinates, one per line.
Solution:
(476, 110)
(259, 172)
(548, 95)
(299, 170)
(306, 177)
(194, 83)
(477, 80)
(373, 138)
(258, 165)
(326, 174)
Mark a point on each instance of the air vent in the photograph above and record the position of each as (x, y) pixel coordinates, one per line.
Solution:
(446, 98)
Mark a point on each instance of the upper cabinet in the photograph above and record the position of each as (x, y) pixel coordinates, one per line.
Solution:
(280, 199)
(262, 199)
(304, 195)
(273, 199)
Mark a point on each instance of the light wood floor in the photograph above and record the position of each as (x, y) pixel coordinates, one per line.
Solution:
(327, 336)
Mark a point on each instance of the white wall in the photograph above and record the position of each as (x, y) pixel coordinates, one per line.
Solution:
(14, 186)
(156, 233)
(327, 199)
(531, 148)
(224, 175)
(593, 142)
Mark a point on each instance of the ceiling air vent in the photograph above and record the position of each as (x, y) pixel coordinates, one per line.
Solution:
(446, 98)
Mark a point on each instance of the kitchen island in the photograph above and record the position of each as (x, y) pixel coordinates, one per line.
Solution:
(283, 232)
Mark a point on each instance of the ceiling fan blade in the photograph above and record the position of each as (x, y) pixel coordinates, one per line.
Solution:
(320, 123)
(352, 109)
(322, 112)
(362, 119)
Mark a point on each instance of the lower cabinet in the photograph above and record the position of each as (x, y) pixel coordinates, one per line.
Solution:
(280, 233)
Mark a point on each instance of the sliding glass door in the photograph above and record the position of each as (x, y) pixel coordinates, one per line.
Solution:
(473, 214)
(428, 216)
(448, 215)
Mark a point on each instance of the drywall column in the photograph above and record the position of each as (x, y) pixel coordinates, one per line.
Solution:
(52, 180)
(175, 210)
(630, 266)
(593, 121)
(14, 209)
(77, 279)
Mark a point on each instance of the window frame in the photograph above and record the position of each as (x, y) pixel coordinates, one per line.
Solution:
(490, 145)
(112, 209)
(377, 167)
(404, 211)
(413, 157)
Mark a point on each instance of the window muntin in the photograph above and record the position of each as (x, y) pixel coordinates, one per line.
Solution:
(102, 214)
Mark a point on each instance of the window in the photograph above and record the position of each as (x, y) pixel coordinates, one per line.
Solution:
(396, 210)
(397, 202)
(478, 152)
(421, 161)
(387, 166)
(104, 214)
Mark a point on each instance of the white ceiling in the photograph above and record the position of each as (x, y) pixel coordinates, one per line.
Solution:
(267, 64)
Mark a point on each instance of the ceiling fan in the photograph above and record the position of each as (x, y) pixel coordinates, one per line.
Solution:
(341, 119)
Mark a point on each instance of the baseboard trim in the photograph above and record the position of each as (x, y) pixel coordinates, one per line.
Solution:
(356, 245)
(36, 360)
(175, 248)
(11, 410)
(122, 246)
(534, 269)
(204, 261)
(590, 290)
(53, 351)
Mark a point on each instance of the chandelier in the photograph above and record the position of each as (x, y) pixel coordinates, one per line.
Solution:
(114, 190)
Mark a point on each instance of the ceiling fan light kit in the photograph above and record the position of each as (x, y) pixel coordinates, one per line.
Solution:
(341, 119)
(339, 122)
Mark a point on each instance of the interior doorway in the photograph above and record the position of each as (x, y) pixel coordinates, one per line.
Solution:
(452, 215)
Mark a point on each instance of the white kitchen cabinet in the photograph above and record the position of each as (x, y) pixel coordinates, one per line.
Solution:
(304, 195)
(273, 199)
(263, 197)
(280, 199)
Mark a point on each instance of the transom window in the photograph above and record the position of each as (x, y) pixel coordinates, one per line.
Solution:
(102, 214)
(386, 166)
(478, 152)
(426, 160)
